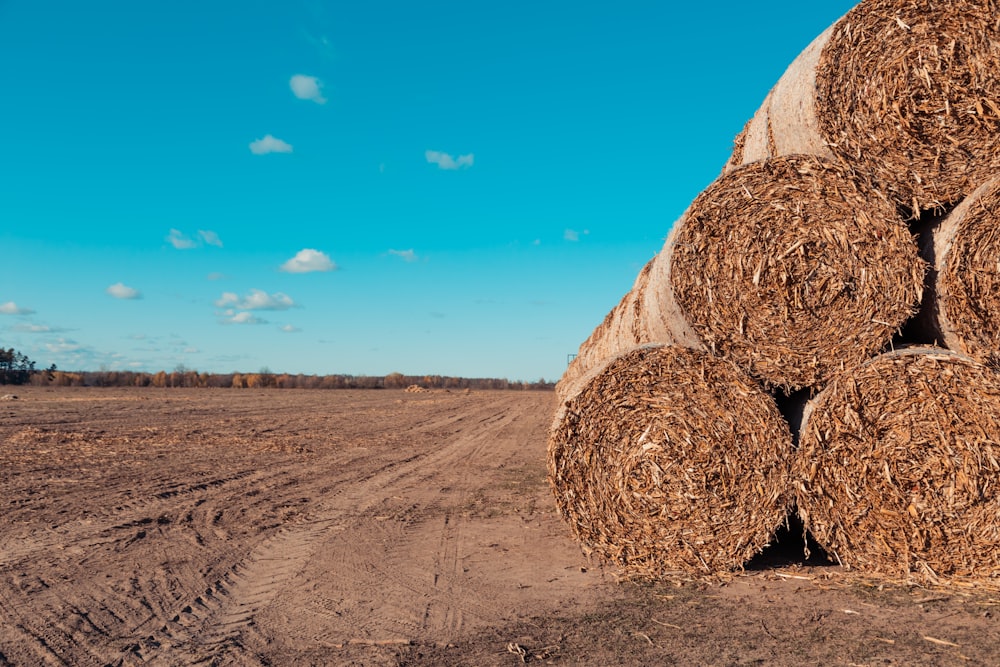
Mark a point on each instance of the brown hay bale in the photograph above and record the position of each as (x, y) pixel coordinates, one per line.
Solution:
(963, 248)
(789, 269)
(646, 314)
(670, 459)
(908, 91)
(898, 466)
(786, 123)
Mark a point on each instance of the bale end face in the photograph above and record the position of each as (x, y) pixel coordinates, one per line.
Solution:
(669, 459)
(898, 467)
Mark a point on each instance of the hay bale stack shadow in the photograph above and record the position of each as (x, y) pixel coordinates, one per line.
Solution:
(898, 466)
(669, 459)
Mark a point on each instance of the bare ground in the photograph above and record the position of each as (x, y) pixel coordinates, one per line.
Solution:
(287, 527)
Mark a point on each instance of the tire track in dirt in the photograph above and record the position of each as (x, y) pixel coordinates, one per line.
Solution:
(102, 529)
(199, 545)
(431, 593)
(220, 623)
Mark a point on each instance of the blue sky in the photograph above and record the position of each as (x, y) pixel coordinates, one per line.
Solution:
(440, 187)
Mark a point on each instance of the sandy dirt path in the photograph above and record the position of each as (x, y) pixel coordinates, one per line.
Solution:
(287, 527)
(182, 526)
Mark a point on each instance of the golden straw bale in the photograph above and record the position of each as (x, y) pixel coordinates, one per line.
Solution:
(671, 459)
(646, 314)
(964, 249)
(786, 123)
(898, 466)
(908, 91)
(792, 271)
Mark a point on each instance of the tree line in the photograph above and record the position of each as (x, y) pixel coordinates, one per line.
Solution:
(16, 368)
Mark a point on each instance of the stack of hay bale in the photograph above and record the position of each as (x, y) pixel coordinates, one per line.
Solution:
(850, 253)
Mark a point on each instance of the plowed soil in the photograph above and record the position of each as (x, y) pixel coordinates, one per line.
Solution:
(287, 527)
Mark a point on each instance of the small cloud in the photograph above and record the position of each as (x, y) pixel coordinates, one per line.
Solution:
(269, 144)
(255, 300)
(11, 308)
(179, 241)
(61, 345)
(438, 316)
(536, 242)
(32, 328)
(216, 276)
(309, 260)
(209, 238)
(405, 255)
(122, 291)
(573, 235)
(288, 328)
(243, 318)
(445, 161)
(307, 88)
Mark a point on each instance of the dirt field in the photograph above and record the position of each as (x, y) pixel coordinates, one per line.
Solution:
(286, 527)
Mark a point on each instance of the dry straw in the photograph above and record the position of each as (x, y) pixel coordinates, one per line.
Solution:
(793, 272)
(898, 466)
(670, 459)
(646, 314)
(905, 91)
(964, 248)
(908, 91)
(786, 123)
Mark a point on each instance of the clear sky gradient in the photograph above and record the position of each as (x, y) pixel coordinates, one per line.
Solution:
(442, 187)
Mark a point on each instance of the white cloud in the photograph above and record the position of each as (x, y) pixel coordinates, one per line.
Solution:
(216, 276)
(210, 237)
(255, 300)
(307, 88)
(63, 345)
(11, 308)
(445, 161)
(32, 328)
(288, 328)
(269, 144)
(573, 235)
(179, 241)
(406, 255)
(308, 260)
(243, 318)
(122, 291)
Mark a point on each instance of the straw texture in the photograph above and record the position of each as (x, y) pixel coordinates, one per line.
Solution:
(789, 269)
(786, 123)
(670, 459)
(898, 466)
(647, 313)
(965, 312)
(908, 91)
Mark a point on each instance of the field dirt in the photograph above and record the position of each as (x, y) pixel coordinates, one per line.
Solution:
(298, 527)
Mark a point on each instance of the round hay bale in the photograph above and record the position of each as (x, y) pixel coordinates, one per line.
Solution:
(671, 459)
(786, 122)
(963, 250)
(898, 466)
(792, 271)
(646, 314)
(908, 91)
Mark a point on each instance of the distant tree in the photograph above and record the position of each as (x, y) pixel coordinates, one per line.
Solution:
(15, 367)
